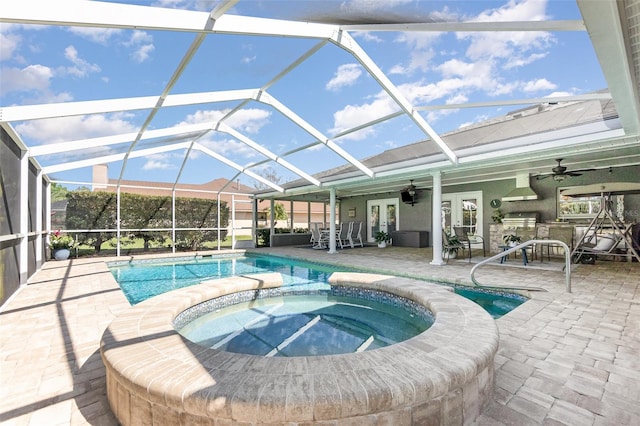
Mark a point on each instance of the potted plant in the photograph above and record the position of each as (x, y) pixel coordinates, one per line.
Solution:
(497, 216)
(61, 245)
(511, 240)
(382, 238)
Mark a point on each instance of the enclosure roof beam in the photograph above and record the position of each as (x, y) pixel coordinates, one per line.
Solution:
(116, 15)
(477, 26)
(238, 167)
(265, 98)
(222, 127)
(346, 42)
(111, 158)
(80, 144)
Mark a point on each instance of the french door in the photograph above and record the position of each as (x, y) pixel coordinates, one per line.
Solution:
(382, 215)
(462, 209)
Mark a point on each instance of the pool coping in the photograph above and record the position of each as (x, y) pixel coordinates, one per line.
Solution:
(444, 372)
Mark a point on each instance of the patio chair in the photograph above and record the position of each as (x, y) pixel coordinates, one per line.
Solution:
(342, 237)
(317, 241)
(468, 240)
(449, 246)
(355, 236)
(564, 234)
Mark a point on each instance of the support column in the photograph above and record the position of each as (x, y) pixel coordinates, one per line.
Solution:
(47, 212)
(118, 220)
(233, 222)
(23, 246)
(38, 213)
(332, 221)
(272, 208)
(254, 222)
(436, 226)
(173, 220)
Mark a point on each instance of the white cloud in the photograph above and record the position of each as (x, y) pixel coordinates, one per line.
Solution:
(355, 115)
(509, 45)
(230, 148)
(80, 67)
(248, 59)
(538, 85)
(521, 61)
(246, 121)
(159, 162)
(73, 128)
(9, 43)
(345, 75)
(97, 35)
(142, 53)
(142, 44)
(34, 78)
(421, 52)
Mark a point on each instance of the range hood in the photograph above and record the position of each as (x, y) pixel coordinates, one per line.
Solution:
(523, 191)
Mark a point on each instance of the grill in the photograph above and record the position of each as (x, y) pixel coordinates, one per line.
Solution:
(519, 220)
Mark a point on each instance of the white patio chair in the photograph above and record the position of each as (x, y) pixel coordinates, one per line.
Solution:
(317, 242)
(342, 236)
(355, 236)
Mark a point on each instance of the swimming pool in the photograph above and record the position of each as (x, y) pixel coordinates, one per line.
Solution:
(142, 279)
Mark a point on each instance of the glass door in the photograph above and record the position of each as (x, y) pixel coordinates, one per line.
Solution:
(382, 215)
(462, 209)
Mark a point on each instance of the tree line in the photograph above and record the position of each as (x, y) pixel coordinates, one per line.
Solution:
(138, 213)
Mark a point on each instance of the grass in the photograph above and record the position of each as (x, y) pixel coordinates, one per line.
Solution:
(108, 248)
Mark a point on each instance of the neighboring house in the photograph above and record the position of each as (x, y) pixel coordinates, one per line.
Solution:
(233, 193)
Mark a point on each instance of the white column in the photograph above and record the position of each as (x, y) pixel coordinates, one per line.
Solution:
(272, 207)
(233, 222)
(173, 221)
(292, 218)
(38, 214)
(118, 220)
(254, 222)
(332, 220)
(436, 226)
(47, 212)
(23, 247)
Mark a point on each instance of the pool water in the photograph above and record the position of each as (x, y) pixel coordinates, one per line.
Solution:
(140, 280)
(305, 325)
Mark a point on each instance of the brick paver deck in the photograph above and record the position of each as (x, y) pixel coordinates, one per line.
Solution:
(571, 359)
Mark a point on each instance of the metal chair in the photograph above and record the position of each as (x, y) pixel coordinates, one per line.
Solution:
(449, 246)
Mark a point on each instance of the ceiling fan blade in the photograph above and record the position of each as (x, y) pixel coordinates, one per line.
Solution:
(582, 170)
(573, 173)
(540, 177)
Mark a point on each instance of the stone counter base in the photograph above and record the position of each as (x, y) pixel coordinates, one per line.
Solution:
(442, 376)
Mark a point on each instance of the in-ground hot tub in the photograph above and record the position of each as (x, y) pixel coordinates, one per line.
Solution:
(155, 375)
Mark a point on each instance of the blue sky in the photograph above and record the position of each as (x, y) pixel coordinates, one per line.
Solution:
(330, 90)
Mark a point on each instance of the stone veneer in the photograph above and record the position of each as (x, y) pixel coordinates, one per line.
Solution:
(442, 376)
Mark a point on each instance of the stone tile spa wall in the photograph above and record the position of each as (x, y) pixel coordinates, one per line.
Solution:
(442, 376)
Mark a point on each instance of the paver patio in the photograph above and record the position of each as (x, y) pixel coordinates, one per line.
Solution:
(564, 358)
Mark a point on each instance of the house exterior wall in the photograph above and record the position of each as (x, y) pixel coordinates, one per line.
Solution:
(419, 216)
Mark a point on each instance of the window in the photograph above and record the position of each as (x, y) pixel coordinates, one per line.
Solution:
(577, 207)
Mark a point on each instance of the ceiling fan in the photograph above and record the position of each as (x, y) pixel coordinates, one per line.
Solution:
(560, 172)
(409, 194)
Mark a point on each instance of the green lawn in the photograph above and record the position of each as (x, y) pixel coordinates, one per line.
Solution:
(136, 245)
